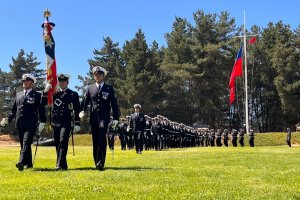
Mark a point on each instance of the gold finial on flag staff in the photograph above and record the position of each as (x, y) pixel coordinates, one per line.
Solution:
(47, 14)
(46, 26)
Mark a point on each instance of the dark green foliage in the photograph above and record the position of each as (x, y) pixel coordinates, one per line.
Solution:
(188, 79)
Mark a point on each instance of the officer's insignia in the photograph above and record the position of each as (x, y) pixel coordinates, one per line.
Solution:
(105, 95)
(57, 102)
(30, 100)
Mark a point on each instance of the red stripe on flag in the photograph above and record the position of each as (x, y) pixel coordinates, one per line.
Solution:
(252, 40)
(236, 71)
(51, 75)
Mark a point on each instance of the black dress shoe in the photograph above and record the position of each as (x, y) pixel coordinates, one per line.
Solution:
(99, 166)
(20, 166)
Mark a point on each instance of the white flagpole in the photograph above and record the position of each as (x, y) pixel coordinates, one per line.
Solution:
(246, 81)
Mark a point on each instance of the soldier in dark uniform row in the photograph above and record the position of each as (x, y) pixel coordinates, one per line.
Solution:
(123, 133)
(137, 123)
(288, 137)
(65, 119)
(234, 137)
(29, 112)
(241, 137)
(101, 98)
(219, 138)
(225, 137)
(251, 138)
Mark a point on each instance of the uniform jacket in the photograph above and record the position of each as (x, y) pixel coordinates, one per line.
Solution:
(101, 103)
(66, 108)
(28, 110)
(137, 122)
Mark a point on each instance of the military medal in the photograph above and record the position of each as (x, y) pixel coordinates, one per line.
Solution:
(105, 95)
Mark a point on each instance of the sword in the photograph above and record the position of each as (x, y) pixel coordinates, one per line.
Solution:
(73, 124)
(36, 147)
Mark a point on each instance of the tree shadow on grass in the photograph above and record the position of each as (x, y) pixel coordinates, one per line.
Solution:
(122, 168)
(105, 168)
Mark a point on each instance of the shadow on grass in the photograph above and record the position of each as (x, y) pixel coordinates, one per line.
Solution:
(105, 168)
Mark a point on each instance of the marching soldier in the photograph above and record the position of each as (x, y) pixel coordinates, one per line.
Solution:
(29, 111)
(251, 138)
(112, 134)
(65, 119)
(225, 137)
(123, 133)
(130, 136)
(212, 137)
(101, 97)
(288, 137)
(241, 137)
(219, 138)
(137, 122)
(234, 137)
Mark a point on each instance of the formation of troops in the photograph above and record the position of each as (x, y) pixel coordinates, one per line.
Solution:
(137, 131)
(160, 133)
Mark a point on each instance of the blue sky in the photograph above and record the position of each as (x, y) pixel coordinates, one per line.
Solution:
(81, 25)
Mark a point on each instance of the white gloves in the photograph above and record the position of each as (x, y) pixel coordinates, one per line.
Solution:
(4, 121)
(115, 123)
(81, 114)
(128, 128)
(48, 86)
(41, 127)
(76, 129)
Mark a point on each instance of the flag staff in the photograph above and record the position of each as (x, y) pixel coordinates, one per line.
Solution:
(246, 77)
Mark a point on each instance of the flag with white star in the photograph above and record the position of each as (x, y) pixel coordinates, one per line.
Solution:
(50, 58)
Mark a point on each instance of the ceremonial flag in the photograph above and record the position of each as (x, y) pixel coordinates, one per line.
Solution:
(252, 40)
(50, 58)
(236, 71)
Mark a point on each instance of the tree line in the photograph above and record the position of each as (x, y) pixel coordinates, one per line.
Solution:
(187, 79)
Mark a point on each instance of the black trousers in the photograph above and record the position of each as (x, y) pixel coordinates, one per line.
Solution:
(139, 141)
(123, 139)
(61, 139)
(111, 141)
(241, 141)
(99, 142)
(226, 141)
(234, 141)
(26, 137)
(251, 141)
(288, 141)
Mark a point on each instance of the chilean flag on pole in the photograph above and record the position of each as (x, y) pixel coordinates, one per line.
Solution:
(236, 71)
(50, 58)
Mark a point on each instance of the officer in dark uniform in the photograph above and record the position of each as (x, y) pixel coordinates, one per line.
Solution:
(234, 137)
(112, 135)
(101, 97)
(212, 137)
(288, 137)
(225, 137)
(251, 138)
(123, 133)
(137, 122)
(29, 111)
(241, 137)
(65, 119)
(219, 138)
(130, 136)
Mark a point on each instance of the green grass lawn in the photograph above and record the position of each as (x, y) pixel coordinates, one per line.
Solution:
(194, 173)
